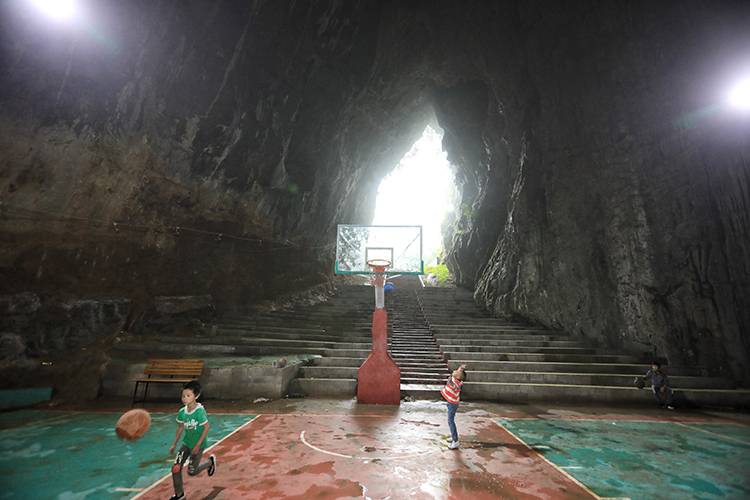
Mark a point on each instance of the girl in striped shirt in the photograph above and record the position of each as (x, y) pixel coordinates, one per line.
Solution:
(452, 395)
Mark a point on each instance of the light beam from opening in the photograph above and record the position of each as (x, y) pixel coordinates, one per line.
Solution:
(420, 190)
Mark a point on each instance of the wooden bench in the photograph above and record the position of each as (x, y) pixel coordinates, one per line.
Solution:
(168, 371)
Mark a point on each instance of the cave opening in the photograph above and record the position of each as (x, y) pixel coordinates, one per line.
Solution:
(420, 190)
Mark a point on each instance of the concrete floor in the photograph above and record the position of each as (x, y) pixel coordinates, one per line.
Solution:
(338, 449)
(304, 448)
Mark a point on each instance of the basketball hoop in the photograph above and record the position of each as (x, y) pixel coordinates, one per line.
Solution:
(379, 265)
(378, 279)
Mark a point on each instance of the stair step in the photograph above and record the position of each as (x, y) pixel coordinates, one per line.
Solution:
(426, 380)
(415, 372)
(422, 391)
(417, 356)
(338, 361)
(341, 387)
(511, 343)
(600, 379)
(341, 372)
(420, 366)
(520, 349)
(529, 357)
(561, 393)
(160, 348)
(556, 367)
(280, 329)
(259, 341)
(444, 339)
(347, 353)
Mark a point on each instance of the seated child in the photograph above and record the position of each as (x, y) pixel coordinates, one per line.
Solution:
(452, 395)
(660, 385)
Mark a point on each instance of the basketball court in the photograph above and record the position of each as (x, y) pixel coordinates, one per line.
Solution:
(327, 449)
(339, 449)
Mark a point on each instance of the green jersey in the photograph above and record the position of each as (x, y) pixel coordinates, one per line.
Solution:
(194, 422)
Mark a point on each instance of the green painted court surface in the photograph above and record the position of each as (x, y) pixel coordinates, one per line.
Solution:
(645, 460)
(73, 455)
(66, 455)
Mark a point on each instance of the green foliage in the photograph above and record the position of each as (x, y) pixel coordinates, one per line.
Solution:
(441, 272)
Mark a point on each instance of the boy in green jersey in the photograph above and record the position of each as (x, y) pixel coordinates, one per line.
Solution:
(191, 419)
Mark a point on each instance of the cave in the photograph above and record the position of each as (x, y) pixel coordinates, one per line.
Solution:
(167, 163)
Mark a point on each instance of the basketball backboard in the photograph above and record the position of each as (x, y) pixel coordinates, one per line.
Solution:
(356, 244)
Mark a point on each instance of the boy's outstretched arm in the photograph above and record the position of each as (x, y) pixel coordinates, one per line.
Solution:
(197, 446)
(177, 435)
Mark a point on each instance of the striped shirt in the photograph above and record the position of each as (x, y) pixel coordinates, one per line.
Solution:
(452, 390)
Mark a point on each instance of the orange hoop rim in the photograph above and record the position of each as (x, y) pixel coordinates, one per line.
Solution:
(379, 265)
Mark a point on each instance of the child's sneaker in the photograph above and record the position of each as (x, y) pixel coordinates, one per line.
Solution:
(670, 407)
(453, 445)
(212, 467)
(177, 497)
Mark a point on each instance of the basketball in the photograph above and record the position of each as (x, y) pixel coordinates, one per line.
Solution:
(133, 424)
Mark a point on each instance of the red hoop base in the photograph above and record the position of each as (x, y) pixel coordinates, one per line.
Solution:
(379, 377)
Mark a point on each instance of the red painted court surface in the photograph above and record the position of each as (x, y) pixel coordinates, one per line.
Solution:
(392, 454)
(327, 449)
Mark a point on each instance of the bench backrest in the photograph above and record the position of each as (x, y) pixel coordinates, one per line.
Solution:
(176, 367)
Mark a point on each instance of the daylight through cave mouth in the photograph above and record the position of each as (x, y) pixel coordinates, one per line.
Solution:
(420, 190)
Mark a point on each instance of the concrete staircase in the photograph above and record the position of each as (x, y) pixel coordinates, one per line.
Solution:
(515, 362)
(334, 374)
(326, 330)
(332, 331)
(430, 331)
(413, 346)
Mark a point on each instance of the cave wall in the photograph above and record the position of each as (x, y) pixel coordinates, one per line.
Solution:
(182, 148)
(624, 211)
(603, 189)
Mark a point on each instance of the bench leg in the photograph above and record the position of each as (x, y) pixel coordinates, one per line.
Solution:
(135, 392)
(145, 394)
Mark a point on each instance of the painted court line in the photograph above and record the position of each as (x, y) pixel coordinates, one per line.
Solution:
(169, 474)
(410, 455)
(723, 436)
(562, 471)
(302, 438)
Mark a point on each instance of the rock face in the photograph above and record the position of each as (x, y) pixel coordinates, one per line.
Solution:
(624, 204)
(44, 326)
(186, 314)
(181, 148)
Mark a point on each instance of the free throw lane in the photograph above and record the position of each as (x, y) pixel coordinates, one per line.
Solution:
(332, 456)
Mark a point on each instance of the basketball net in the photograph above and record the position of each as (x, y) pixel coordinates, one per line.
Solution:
(378, 267)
